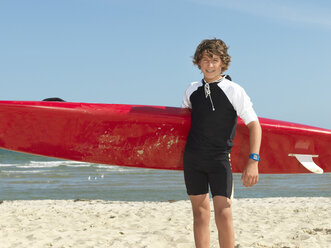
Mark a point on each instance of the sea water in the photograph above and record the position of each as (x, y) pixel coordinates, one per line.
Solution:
(28, 177)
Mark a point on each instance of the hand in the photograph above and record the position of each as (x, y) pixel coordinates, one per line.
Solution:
(250, 174)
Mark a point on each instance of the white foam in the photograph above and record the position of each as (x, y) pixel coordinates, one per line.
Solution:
(9, 165)
(79, 165)
(114, 168)
(26, 172)
(52, 164)
(73, 162)
(40, 164)
(106, 166)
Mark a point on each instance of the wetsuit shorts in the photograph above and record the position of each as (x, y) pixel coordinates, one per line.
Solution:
(200, 174)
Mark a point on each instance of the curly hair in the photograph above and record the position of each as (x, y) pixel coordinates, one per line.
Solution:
(213, 46)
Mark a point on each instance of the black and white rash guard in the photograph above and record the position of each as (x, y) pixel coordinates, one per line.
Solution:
(214, 110)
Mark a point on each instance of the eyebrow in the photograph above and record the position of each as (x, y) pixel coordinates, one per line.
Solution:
(207, 57)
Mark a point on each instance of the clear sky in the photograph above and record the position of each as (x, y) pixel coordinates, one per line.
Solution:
(139, 51)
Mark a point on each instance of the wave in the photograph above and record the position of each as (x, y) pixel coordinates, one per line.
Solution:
(9, 165)
(41, 165)
(113, 168)
(25, 172)
(47, 164)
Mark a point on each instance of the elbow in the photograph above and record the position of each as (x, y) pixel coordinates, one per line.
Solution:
(255, 125)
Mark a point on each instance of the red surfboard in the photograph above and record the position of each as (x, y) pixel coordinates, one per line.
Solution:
(149, 136)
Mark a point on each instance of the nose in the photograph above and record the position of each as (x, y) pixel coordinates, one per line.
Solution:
(210, 64)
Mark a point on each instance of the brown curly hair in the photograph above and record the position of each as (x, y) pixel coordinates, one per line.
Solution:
(213, 46)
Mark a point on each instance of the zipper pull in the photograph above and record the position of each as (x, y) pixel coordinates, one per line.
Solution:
(208, 94)
(207, 90)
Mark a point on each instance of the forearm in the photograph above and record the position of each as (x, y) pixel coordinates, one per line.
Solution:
(255, 136)
(250, 174)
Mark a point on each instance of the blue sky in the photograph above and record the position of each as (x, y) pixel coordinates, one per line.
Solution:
(139, 52)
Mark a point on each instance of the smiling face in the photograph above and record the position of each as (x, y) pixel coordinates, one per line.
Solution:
(212, 58)
(211, 66)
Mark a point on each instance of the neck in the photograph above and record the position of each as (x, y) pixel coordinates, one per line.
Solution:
(212, 80)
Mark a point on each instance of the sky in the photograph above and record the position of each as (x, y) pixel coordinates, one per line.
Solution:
(140, 52)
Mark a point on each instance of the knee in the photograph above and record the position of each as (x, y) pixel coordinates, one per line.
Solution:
(222, 208)
(201, 215)
(224, 214)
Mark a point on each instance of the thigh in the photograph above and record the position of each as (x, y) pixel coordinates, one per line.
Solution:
(196, 179)
(200, 203)
(220, 178)
(221, 202)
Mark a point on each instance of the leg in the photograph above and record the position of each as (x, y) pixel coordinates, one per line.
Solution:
(223, 219)
(196, 181)
(201, 216)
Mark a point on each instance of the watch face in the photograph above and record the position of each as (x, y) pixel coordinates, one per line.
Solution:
(254, 156)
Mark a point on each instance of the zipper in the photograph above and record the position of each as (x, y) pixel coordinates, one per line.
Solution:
(208, 91)
(208, 94)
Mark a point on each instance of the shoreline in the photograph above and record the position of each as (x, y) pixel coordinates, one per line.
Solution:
(258, 222)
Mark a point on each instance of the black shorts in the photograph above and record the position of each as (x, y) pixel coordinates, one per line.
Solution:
(200, 174)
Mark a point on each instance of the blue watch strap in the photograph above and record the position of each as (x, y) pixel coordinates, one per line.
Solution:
(254, 156)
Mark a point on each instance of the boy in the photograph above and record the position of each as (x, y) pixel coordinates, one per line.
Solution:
(215, 102)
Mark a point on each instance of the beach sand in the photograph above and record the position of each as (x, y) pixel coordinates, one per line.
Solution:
(267, 222)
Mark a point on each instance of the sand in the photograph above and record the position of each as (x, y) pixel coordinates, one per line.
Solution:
(267, 222)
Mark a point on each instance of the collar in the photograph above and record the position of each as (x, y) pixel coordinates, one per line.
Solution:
(217, 81)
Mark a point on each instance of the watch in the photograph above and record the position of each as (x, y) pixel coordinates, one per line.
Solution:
(254, 156)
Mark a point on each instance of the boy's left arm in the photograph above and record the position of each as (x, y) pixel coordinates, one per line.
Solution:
(250, 175)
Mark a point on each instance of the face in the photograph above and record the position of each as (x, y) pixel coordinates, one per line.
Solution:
(211, 67)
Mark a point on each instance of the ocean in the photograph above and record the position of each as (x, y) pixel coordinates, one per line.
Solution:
(29, 177)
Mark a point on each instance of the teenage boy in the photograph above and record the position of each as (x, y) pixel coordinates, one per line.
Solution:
(215, 102)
